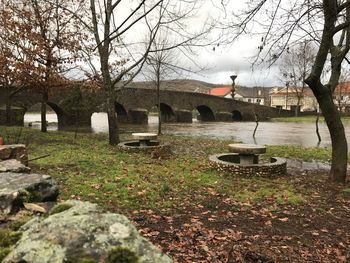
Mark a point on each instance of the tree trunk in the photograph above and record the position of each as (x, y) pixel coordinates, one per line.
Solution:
(297, 107)
(159, 120)
(337, 133)
(43, 112)
(317, 130)
(159, 111)
(113, 131)
(8, 111)
(256, 123)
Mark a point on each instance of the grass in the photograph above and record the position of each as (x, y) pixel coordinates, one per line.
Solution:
(87, 168)
(300, 153)
(305, 119)
(346, 190)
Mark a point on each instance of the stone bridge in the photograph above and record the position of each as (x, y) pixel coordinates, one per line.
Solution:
(133, 105)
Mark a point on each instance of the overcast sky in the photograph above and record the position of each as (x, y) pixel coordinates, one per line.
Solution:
(225, 60)
(236, 58)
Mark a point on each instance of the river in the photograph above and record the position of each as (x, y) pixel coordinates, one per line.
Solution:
(269, 133)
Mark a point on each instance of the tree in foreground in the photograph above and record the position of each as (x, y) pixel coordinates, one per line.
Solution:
(41, 39)
(327, 24)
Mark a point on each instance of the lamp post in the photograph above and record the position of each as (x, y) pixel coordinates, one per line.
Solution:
(233, 77)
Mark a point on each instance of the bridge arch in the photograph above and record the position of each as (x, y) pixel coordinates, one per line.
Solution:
(51, 106)
(122, 114)
(167, 113)
(205, 113)
(237, 115)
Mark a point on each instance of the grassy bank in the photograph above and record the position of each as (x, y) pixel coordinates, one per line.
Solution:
(310, 119)
(88, 168)
(196, 214)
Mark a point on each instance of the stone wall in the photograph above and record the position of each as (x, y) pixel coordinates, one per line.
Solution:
(276, 166)
(74, 107)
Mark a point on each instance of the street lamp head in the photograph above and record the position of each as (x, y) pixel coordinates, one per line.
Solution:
(233, 77)
(233, 90)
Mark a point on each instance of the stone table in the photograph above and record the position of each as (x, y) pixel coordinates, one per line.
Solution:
(144, 137)
(248, 153)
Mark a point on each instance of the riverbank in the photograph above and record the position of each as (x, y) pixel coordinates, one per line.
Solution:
(301, 119)
(270, 133)
(196, 214)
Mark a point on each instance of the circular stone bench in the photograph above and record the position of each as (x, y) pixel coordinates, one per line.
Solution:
(248, 153)
(134, 146)
(144, 138)
(230, 162)
(146, 142)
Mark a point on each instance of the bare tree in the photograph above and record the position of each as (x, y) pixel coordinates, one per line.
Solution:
(295, 67)
(121, 54)
(327, 24)
(161, 64)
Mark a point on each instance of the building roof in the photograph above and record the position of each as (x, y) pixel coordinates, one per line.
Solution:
(220, 91)
(291, 91)
(343, 88)
(252, 92)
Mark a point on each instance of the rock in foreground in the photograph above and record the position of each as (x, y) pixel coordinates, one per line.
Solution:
(14, 151)
(16, 188)
(80, 230)
(13, 166)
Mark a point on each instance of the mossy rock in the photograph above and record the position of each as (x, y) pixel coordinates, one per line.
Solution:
(82, 232)
(59, 208)
(16, 225)
(4, 251)
(121, 255)
(8, 237)
(80, 260)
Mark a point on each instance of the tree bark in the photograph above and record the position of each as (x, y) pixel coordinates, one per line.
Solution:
(43, 111)
(159, 116)
(323, 93)
(256, 124)
(113, 131)
(297, 109)
(317, 130)
(158, 99)
(337, 133)
(8, 111)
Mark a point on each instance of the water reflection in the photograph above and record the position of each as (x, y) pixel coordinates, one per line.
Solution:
(273, 133)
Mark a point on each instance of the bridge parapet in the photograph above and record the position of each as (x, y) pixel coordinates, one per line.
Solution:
(73, 106)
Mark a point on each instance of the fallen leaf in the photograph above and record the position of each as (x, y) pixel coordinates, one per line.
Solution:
(34, 207)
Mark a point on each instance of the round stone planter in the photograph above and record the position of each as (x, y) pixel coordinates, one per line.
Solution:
(134, 146)
(229, 162)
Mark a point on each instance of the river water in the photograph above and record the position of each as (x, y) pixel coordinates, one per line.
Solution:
(269, 133)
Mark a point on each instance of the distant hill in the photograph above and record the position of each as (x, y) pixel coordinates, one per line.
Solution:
(191, 85)
(187, 85)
